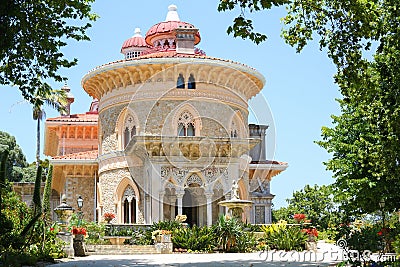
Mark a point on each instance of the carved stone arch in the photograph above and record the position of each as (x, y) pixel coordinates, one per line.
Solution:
(194, 178)
(123, 184)
(122, 203)
(191, 110)
(237, 126)
(119, 126)
(170, 183)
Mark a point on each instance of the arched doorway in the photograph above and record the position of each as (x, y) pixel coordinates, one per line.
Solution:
(194, 205)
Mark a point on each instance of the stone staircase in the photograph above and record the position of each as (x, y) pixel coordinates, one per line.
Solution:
(119, 249)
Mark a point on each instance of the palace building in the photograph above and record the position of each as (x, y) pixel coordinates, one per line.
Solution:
(167, 133)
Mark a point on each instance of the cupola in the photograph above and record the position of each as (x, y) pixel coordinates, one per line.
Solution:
(70, 99)
(134, 46)
(173, 34)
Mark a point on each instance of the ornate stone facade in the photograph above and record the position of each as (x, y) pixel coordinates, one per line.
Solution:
(173, 135)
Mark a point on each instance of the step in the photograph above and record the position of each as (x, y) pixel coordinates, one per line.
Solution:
(120, 249)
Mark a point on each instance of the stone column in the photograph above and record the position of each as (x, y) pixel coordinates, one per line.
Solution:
(130, 210)
(161, 207)
(209, 208)
(179, 197)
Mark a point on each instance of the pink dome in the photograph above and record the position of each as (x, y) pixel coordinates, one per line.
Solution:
(135, 41)
(166, 28)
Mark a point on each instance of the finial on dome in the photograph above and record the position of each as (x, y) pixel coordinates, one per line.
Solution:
(137, 33)
(172, 14)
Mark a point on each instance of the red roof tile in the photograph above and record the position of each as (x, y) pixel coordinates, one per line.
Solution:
(92, 154)
(166, 27)
(135, 41)
(87, 117)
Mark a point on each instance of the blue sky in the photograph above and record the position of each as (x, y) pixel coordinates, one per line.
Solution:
(299, 89)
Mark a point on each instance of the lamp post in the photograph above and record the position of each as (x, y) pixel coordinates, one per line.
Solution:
(80, 213)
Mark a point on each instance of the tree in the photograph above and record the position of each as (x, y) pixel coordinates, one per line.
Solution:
(316, 202)
(364, 141)
(16, 160)
(32, 34)
(56, 99)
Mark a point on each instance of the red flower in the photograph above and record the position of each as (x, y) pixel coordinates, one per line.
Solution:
(299, 217)
(79, 231)
(51, 229)
(380, 233)
(109, 216)
(310, 231)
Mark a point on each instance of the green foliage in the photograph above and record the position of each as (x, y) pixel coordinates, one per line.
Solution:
(33, 32)
(227, 230)
(283, 237)
(316, 202)
(141, 236)
(46, 195)
(362, 236)
(396, 245)
(166, 225)
(16, 161)
(362, 40)
(194, 239)
(246, 242)
(36, 192)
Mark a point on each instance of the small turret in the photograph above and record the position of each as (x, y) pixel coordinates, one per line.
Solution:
(70, 99)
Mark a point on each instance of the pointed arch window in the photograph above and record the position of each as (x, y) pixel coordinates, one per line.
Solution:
(180, 83)
(186, 124)
(129, 205)
(191, 82)
(234, 130)
(129, 130)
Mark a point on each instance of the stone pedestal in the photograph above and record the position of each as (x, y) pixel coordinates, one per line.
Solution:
(164, 248)
(79, 246)
(164, 244)
(68, 247)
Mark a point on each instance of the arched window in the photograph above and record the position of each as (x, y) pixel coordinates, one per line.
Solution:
(186, 124)
(191, 82)
(180, 82)
(129, 205)
(234, 130)
(129, 130)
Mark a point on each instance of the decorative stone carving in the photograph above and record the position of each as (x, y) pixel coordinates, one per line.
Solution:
(194, 179)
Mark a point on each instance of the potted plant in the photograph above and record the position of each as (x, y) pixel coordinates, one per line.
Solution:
(79, 237)
(108, 216)
(161, 236)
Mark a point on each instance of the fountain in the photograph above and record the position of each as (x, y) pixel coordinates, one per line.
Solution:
(235, 205)
(64, 213)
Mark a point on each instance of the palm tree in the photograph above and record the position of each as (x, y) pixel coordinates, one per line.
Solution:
(55, 98)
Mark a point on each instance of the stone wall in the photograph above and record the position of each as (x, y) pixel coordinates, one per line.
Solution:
(81, 186)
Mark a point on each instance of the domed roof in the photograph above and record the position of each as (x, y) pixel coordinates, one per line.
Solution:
(136, 40)
(166, 27)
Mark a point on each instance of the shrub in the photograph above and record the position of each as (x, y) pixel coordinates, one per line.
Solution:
(195, 238)
(246, 242)
(166, 225)
(227, 230)
(280, 236)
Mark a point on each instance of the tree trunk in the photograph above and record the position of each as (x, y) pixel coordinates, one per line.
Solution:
(38, 144)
